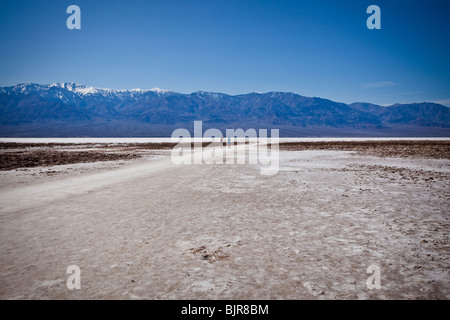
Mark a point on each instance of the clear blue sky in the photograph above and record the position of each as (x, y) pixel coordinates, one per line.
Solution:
(313, 48)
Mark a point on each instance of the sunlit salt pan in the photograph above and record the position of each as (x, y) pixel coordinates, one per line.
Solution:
(168, 139)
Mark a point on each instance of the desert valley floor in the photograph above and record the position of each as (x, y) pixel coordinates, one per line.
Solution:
(141, 227)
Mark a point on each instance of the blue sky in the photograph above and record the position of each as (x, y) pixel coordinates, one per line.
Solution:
(313, 48)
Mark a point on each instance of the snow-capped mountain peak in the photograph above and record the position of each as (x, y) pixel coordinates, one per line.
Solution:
(79, 88)
(159, 90)
(90, 90)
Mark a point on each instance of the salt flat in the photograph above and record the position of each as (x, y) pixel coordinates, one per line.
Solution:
(149, 229)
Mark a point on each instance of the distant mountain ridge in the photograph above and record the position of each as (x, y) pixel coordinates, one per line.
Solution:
(74, 110)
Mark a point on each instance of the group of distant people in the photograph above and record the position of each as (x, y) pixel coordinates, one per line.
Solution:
(228, 140)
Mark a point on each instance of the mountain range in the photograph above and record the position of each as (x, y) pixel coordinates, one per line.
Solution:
(74, 110)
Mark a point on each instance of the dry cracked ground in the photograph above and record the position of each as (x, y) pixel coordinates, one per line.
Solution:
(144, 228)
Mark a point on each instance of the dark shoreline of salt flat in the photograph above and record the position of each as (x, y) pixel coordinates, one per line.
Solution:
(26, 155)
